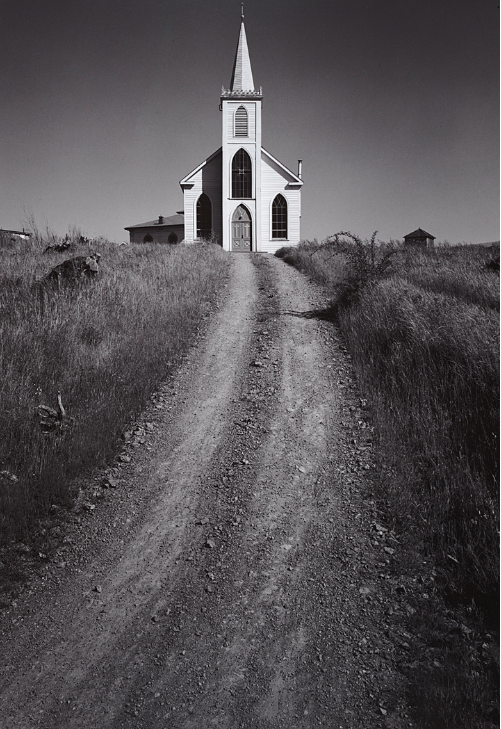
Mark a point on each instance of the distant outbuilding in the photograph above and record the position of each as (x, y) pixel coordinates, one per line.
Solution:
(162, 230)
(10, 237)
(420, 237)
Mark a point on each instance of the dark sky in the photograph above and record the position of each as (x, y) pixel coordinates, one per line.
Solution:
(393, 106)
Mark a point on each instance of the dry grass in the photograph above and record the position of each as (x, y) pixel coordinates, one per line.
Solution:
(431, 366)
(456, 272)
(424, 339)
(105, 345)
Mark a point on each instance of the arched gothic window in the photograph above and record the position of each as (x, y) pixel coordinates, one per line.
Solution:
(172, 238)
(279, 217)
(241, 122)
(147, 238)
(204, 216)
(241, 175)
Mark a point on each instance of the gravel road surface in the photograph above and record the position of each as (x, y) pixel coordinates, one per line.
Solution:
(230, 569)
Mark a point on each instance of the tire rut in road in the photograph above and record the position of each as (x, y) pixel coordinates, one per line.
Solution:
(242, 601)
(81, 670)
(200, 666)
(270, 622)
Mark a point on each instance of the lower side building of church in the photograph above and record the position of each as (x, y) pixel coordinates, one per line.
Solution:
(240, 196)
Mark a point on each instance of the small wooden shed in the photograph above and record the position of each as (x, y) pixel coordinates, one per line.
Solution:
(162, 230)
(11, 237)
(420, 237)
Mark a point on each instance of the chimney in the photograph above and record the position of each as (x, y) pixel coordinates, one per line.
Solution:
(300, 168)
(160, 219)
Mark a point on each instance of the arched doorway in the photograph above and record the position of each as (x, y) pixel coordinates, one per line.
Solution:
(241, 230)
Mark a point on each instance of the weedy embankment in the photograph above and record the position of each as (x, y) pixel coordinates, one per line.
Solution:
(422, 327)
(103, 344)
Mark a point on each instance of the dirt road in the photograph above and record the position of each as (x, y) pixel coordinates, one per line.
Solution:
(232, 578)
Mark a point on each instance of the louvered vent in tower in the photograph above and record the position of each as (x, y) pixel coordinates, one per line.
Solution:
(241, 122)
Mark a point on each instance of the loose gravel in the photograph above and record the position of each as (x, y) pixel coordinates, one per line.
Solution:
(230, 569)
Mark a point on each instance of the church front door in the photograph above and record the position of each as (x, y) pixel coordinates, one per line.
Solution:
(241, 230)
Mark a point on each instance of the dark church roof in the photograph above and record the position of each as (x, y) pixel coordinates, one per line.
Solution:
(177, 219)
(419, 233)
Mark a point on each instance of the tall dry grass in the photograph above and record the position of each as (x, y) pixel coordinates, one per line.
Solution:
(431, 365)
(458, 272)
(424, 340)
(105, 346)
(424, 337)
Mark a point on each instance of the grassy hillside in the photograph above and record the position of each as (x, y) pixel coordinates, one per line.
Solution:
(104, 345)
(422, 327)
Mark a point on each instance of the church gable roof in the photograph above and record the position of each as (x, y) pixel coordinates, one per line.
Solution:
(291, 178)
(177, 219)
(188, 180)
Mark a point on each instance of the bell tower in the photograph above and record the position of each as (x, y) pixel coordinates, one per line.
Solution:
(241, 195)
(241, 154)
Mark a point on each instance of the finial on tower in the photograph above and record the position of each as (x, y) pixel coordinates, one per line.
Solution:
(242, 11)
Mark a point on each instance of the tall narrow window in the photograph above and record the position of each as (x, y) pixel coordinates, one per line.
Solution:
(241, 175)
(204, 216)
(279, 217)
(241, 122)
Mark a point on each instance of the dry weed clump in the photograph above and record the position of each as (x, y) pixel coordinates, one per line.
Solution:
(343, 261)
(105, 345)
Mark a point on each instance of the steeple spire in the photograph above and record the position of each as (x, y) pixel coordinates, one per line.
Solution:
(241, 79)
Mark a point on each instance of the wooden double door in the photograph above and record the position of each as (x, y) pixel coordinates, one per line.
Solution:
(241, 230)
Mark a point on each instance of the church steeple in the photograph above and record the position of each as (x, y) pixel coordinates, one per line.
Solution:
(241, 154)
(242, 82)
(248, 199)
(241, 79)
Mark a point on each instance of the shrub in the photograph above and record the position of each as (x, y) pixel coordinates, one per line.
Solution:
(343, 261)
(367, 261)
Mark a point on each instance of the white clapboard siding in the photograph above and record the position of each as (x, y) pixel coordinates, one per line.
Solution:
(160, 233)
(207, 179)
(275, 180)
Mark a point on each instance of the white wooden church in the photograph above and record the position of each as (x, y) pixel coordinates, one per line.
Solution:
(241, 195)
